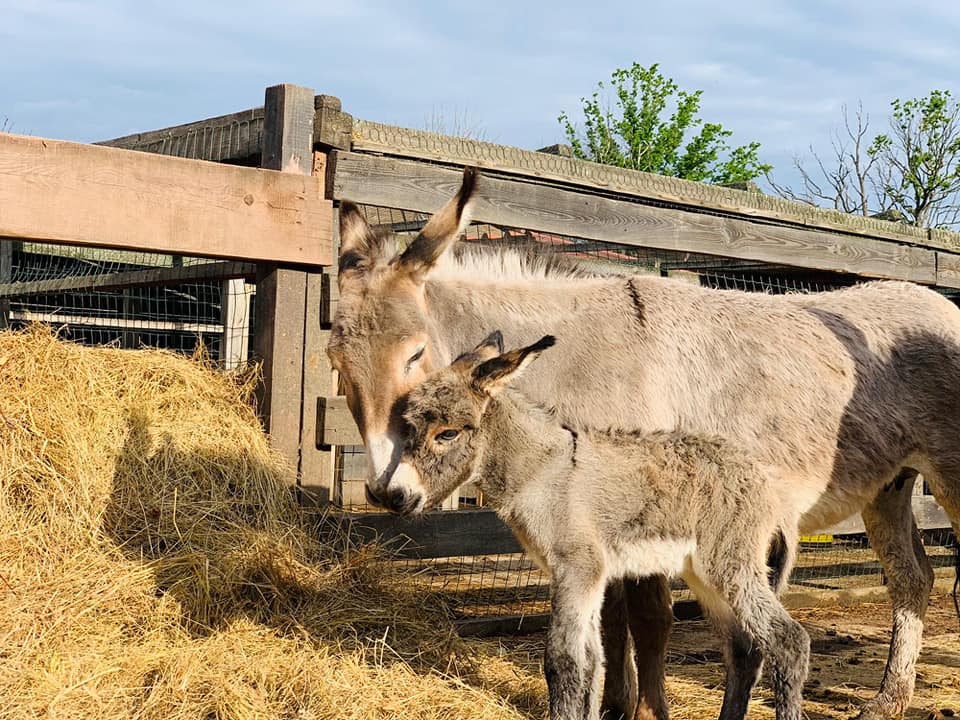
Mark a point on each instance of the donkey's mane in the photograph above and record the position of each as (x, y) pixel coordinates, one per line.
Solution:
(469, 261)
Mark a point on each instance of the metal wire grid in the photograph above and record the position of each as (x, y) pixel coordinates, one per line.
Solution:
(510, 584)
(178, 316)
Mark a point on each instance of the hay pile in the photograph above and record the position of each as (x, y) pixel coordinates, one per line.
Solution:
(153, 565)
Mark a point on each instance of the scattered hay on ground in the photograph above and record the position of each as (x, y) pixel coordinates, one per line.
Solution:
(154, 565)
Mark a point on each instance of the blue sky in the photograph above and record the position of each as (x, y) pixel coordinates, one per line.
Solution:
(772, 71)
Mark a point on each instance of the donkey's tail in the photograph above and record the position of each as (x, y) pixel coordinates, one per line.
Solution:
(781, 554)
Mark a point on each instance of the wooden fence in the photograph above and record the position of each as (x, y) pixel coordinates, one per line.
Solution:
(257, 191)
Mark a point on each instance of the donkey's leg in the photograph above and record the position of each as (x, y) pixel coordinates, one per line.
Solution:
(573, 662)
(620, 681)
(893, 535)
(744, 664)
(650, 606)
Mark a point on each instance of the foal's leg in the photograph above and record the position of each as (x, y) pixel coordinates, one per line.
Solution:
(893, 535)
(749, 608)
(743, 657)
(573, 662)
(650, 606)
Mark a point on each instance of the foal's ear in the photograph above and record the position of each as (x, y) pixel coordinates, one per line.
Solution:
(438, 234)
(489, 347)
(360, 245)
(494, 375)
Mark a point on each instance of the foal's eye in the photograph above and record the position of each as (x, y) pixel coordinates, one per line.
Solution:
(446, 435)
(415, 357)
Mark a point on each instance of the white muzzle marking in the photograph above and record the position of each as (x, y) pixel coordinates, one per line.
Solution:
(379, 454)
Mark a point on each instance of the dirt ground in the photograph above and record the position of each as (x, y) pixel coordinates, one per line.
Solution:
(849, 649)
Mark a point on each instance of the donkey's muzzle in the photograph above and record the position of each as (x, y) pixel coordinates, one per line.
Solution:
(373, 498)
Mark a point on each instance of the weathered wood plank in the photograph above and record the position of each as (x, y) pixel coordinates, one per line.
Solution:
(335, 424)
(278, 344)
(132, 278)
(416, 186)
(318, 477)
(54, 191)
(227, 138)
(437, 534)
(332, 128)
(6, 276)
(442, 534)
(948, 269)
(127, 323)
(562, 168)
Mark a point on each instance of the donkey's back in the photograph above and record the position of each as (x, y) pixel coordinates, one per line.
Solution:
(839, 390)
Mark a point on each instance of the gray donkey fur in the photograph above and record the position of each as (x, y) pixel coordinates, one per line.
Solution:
(840, 392)
(592, 506)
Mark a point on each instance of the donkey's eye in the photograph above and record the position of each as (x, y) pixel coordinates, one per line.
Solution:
(446, 435)
(415, 357)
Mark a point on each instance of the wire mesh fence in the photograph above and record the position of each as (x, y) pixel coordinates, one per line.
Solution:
(500, 585)
(131, 300)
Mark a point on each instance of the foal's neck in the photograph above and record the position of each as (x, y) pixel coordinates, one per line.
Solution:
(521, 442)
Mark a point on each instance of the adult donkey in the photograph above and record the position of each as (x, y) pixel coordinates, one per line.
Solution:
(842, 392)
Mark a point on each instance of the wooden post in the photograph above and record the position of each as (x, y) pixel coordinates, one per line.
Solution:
(235, 315)
(281, 292)
(319, 478)
(6, 276)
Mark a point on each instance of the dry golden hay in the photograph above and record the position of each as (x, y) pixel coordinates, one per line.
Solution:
(154, 565)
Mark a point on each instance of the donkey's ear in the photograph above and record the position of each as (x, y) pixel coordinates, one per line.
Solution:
(438, 234)
(489, 347)
(360, 245)
(494, 375)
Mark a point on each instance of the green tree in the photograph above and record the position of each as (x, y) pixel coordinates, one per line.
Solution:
(651, 128)
(910, 174)
(921, 159)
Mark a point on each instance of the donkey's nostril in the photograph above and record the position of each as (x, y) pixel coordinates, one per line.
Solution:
(373, 498)
(396, 499)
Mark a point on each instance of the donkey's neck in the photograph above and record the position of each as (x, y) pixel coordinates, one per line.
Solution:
(464, 310)
(520, 443)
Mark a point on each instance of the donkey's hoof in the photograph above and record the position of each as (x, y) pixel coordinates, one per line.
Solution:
(878, 710)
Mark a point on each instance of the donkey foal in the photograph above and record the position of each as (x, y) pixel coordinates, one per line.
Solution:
(591, 507)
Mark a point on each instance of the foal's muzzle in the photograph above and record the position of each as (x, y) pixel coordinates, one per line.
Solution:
(396, 500)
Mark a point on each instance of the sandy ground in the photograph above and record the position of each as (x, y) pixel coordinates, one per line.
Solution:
(849, 649)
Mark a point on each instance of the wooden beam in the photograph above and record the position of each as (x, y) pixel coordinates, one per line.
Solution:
(6, 276)
(61, 192)
(948, 269)
(558, 167)
(425, 188)
(436, 534)
(332, 127)
(128, 323)
(442, 534)
(227, 138)
(132, 278)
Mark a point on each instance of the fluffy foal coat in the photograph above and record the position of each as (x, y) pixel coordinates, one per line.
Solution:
(591, 507)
